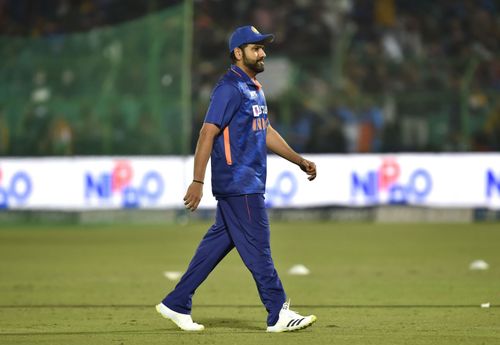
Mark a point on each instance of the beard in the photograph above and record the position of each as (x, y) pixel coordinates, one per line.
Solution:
(256, 65)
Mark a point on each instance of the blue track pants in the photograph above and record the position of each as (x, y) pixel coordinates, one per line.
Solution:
(240, 222)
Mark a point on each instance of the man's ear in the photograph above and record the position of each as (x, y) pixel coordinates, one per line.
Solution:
(238, 53)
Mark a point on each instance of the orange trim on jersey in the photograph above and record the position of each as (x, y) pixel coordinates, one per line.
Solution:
(256, 82)
(227, 146)
(239, 75)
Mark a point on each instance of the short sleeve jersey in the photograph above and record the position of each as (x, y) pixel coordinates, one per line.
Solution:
(239, 155)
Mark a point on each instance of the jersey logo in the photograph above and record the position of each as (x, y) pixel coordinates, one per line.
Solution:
(253, 94)
(256, 110)
(259, 110)
(260, 124)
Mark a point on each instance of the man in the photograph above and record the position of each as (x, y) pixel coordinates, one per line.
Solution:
(236, 134)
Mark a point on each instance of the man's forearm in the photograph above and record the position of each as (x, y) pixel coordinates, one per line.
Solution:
(202, 154)
(278, 145)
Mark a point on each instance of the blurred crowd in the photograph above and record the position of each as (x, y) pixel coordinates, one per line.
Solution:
(53, 17)
(371, 75)
(357, 75)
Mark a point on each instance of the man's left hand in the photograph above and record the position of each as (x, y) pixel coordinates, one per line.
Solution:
(309, 168)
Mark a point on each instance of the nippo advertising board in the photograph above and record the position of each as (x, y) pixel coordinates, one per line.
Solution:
(430, 180)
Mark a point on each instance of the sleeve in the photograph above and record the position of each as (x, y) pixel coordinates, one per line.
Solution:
(224, 103)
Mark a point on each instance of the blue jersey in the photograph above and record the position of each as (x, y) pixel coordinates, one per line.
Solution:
(239, 155)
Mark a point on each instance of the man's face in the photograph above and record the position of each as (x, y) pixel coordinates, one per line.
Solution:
(253, 57)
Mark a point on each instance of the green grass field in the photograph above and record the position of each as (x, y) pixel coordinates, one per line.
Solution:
(369, 284)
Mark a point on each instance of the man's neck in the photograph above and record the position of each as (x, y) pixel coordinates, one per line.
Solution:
(245, 69)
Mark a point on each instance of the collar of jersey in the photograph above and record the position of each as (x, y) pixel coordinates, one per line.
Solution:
(241, 74)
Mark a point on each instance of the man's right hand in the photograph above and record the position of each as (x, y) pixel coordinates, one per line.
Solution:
(193, 196)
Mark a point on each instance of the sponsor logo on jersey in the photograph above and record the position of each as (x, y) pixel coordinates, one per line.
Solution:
(259, 110)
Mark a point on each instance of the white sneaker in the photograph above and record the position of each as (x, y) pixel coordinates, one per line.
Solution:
(184, 321)
(291, 321)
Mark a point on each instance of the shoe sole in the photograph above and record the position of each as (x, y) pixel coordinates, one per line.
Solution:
(165, 316)
(175, 323)
(313, 320)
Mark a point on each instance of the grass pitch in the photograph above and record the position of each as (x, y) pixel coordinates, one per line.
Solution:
(369, 284)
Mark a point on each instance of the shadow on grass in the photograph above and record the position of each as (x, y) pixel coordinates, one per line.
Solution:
(216, 324)
(152, 331)
(213, 329)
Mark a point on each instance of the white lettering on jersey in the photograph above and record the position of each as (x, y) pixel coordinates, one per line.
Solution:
(256, 110)
(259, 109)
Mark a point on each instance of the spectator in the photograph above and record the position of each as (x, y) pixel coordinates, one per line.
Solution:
(61, 137)
(4, 135)
(414, 52)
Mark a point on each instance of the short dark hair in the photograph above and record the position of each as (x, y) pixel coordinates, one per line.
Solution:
(233, 57)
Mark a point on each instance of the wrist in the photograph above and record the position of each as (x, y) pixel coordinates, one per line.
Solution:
(198, 181)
